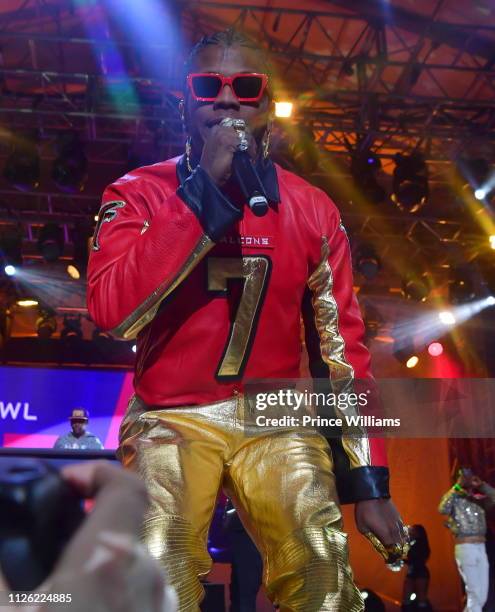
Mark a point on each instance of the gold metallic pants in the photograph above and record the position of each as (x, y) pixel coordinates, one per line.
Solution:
(280, 481)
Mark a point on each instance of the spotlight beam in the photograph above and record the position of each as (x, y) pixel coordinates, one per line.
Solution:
(430, 326)
(51, 289)
(481, 192)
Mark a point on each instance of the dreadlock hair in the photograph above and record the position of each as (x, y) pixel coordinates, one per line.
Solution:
(226, 38)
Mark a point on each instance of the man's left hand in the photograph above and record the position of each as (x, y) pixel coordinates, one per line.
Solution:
(381, 518)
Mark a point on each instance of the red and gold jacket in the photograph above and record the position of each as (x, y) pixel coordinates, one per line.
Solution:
(214, 294)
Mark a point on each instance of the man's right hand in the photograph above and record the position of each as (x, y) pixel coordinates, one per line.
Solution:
(218, 151)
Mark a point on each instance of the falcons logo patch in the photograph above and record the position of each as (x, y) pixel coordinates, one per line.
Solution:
(107, 213)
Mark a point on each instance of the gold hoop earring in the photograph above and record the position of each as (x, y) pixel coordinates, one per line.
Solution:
(188, 154)
(266, 141)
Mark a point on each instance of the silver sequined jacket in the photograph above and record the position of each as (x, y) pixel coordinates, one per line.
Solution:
(466, 516)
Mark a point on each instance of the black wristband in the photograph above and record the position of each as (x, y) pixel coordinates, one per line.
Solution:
(362, 483)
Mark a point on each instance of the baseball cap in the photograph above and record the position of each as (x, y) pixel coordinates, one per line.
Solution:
(79, 414)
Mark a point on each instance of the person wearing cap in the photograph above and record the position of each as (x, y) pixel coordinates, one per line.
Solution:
(79, 437)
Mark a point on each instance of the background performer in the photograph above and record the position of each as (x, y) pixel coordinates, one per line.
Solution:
(465, 504)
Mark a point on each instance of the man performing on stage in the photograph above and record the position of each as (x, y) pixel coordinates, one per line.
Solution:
(214, 295)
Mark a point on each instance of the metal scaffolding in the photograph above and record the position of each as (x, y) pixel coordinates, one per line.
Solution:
(401, 80)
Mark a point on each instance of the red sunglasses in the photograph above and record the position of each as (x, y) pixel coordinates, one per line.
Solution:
(247, 86)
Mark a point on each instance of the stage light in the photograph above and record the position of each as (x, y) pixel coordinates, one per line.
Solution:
(372, 603)
(435, 349)
(69, 170)
(491, 240)
(447, 317)
(412, 362)
(22, 168)
(134, 348)
(364, 166)
(463, 283)
(404, 352)
(103, 341)
(73, 272)
(11, 248)
(412, 596)
(51, 242)
(22, 296)
(367, 261)
(101, 336)
(46, 324)
(479, 176)
(72, 328)
(347, 68)
(414, 288)
(27, 302)
(410, 182)
(81, 235)
(373, 320)
(490, 300)
(430, 325)
(283, 109)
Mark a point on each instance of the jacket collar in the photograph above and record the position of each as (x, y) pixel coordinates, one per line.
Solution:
(266, 171)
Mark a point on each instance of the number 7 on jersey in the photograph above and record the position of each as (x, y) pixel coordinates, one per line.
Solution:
(255, 270)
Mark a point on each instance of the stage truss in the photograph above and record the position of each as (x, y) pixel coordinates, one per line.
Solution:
(392, 80)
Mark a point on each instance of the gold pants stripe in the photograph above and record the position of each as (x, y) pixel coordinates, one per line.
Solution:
(280, 481)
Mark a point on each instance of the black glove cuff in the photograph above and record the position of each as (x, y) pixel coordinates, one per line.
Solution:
(214, 211)
(362, 483)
